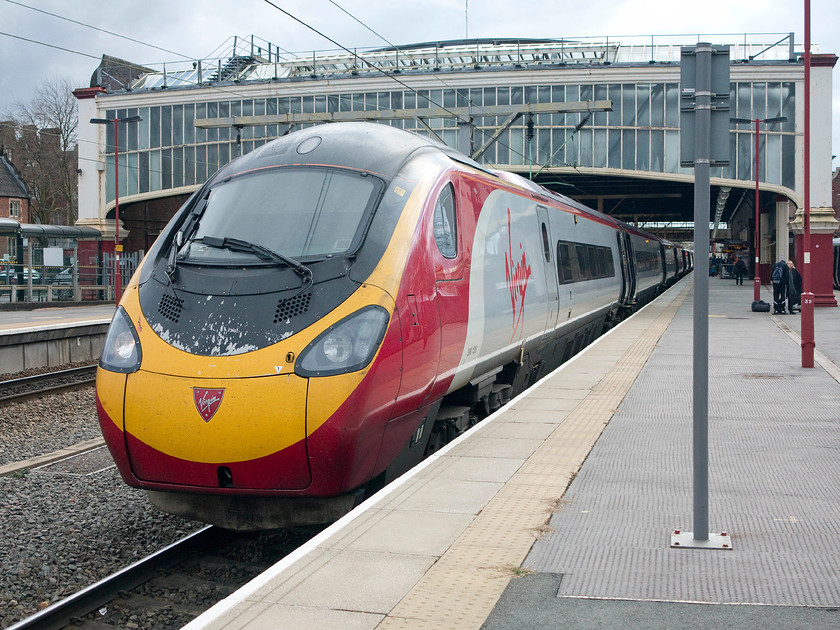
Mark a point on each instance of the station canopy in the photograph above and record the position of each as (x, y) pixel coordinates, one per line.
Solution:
(10, 227)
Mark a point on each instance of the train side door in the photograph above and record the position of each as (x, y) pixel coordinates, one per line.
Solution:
(551, 284)
(451, 211)
(434, 274)
(628, 269)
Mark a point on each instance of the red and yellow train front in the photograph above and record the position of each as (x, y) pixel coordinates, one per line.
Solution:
(248, 423)
(282, 337)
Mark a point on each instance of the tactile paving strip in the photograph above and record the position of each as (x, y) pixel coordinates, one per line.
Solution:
(462, 587)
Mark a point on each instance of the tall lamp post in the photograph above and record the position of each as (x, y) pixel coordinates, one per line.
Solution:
(768, 121)
(117, 246)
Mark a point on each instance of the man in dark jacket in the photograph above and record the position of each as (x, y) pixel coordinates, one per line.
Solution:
(794, 288)
(740, 270)
(779, 278)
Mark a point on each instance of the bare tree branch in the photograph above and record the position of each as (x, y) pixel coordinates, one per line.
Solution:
(43, 147)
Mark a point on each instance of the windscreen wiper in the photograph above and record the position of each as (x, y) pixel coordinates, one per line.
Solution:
(235, 244)
(183, 234)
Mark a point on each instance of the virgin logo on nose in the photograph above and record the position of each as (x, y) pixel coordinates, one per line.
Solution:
(207, 401)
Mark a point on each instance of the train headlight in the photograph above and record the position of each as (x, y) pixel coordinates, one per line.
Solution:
(346, 346)
(121, 351)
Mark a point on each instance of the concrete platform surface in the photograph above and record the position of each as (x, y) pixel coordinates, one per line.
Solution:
(557, 511)
(44, 318)
(774, 471)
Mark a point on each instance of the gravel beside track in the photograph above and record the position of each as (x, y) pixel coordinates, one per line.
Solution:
(36, 427)
(60, 533)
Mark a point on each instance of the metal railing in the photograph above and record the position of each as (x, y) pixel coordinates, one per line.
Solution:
(72, 283)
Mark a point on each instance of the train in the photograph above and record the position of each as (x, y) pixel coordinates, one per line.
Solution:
(336, 305)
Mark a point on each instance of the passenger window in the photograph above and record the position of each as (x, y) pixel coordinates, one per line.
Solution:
(564, 263)
(445, 227)
(583, 264)
(592, 258)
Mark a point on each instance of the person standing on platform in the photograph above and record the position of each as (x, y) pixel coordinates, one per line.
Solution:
(779, 278)
(740, 269)
(794, 288)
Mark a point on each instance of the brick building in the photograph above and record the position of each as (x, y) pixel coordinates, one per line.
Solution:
(14, 202)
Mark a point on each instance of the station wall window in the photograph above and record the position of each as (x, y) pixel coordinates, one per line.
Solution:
(641, 133)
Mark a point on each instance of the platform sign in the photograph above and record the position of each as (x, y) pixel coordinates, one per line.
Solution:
(704, 142)
(719, 140)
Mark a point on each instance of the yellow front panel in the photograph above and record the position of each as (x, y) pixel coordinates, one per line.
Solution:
(110, 387)
(256, 416)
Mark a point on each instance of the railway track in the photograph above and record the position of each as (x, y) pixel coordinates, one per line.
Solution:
(174, 585)
(20, 389)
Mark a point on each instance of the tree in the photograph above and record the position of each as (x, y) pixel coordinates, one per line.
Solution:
(43, 147)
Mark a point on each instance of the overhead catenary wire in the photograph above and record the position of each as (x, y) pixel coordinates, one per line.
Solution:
(380, 70)
(372, 66)
(96, 28)
(480, 109)
(124, 63)
(472, 104)
(232, 92)
(227, 91)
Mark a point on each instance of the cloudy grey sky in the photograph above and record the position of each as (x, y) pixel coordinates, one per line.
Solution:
(196, 28)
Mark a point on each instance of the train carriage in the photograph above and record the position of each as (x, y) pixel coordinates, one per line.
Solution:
(335, 305)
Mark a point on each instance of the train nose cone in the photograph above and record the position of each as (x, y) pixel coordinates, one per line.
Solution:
(244, 433)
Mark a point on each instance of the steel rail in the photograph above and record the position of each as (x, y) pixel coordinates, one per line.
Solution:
(89, 599)
(35, 393)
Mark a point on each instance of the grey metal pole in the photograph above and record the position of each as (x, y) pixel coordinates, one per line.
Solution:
(75, 272)
(702, 158)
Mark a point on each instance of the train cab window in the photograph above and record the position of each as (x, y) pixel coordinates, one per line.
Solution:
(445, 227)
(321, 212)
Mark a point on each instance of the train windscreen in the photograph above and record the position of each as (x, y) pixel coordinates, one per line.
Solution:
(299, 212)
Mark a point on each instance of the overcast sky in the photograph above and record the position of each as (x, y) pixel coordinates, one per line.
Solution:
(196, 28)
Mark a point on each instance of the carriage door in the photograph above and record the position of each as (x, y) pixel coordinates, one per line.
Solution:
(628, 269)
(551, 285)
(451, 288)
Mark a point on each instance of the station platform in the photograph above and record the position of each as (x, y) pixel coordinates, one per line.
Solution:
(51, 337)
(558, 510)
(22, 321)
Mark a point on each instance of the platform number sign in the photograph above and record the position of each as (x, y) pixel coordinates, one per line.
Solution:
(719, 132)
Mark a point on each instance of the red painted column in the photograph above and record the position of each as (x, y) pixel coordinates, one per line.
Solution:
(822, 262)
